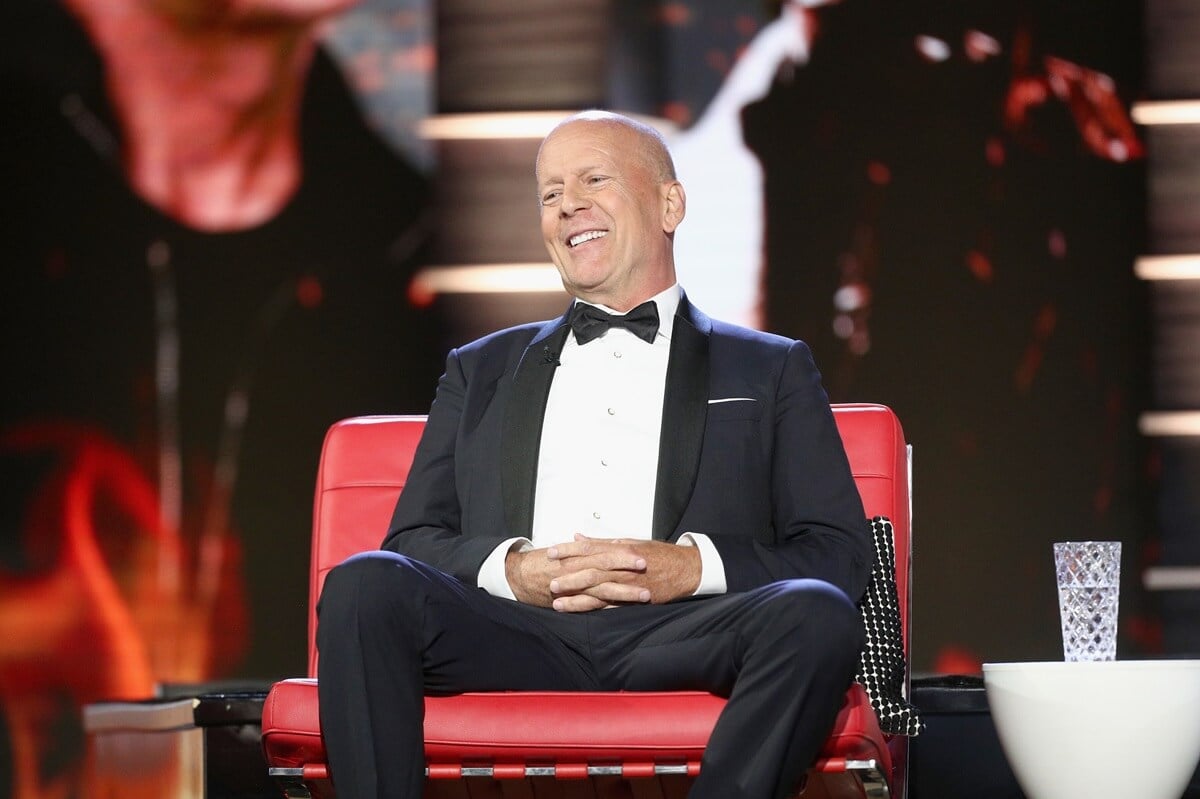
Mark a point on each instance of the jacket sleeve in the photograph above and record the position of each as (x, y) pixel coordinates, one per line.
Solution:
(819, 528)
(427, 524)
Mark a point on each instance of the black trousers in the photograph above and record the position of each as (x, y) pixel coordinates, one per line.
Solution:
(392, 629)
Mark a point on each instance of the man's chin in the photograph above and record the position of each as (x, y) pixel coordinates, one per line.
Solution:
(582, 284)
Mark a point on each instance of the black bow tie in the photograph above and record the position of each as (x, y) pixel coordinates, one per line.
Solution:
(589, 322)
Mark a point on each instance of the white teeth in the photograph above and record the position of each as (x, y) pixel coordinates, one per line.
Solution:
(575, 241)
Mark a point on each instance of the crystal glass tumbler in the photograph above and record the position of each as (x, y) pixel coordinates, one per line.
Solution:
(1089, 584)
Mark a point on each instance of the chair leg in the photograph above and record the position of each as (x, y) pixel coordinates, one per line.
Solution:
(867, 783)
(291, 781)
(301, 783)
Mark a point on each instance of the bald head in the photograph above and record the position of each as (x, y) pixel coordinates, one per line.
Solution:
(647, 144)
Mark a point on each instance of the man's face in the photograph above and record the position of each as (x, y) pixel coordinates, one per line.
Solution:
(606, 216)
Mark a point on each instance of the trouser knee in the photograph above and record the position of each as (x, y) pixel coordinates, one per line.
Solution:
(373, 590)
(813, 618)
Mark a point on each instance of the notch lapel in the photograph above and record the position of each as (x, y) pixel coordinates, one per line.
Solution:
(685, 410)
(522, 434)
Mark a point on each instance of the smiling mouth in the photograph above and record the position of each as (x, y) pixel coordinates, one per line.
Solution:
(580, 238)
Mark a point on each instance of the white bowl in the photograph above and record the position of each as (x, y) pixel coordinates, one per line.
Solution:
(1101, 730)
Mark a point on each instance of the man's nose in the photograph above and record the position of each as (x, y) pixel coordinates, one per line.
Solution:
(572, 201)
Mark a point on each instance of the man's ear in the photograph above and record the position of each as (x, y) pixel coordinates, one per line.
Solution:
(674, 206)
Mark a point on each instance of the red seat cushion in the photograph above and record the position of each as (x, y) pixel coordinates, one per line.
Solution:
(514, 727)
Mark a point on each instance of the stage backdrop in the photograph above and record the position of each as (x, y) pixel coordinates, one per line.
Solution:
(218, 217)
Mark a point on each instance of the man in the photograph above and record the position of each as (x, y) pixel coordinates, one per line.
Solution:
(602, 482)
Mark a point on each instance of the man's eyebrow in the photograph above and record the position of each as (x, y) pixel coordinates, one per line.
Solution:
(583, 170)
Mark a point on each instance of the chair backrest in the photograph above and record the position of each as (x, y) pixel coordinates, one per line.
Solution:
(365, 463)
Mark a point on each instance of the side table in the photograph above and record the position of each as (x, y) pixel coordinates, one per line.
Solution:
(190, 743)
(1101, 729)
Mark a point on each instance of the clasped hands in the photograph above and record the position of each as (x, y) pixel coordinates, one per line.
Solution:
(591, 573)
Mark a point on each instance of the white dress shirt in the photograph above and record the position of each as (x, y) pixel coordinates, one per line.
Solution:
(598, 459)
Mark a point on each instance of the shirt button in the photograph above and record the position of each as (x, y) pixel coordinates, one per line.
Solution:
(612, 412)
(616, 355)
(596, 515)
(603, 462)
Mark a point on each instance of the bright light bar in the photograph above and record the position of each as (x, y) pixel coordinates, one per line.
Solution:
(1167, 112)
(1171, 578)
(488, 279)
(1170, 423)
(1168, 267)
(516, 125)
(509, 125)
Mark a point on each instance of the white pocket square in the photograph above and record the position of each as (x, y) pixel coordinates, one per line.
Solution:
(731, 399)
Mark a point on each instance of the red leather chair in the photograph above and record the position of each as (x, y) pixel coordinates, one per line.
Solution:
(532, 741)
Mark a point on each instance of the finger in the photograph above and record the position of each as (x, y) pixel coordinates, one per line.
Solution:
(582, 545)
(580, 603)
(604, 561)
(581, 538)
(576, 582)
(613, 557)
(601, 596)
(598, 565)
(619, 593)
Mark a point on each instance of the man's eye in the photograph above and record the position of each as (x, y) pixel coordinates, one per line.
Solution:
(550, 197)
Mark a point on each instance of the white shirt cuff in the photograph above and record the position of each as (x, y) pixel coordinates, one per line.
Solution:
(492, 577)
(712, 568)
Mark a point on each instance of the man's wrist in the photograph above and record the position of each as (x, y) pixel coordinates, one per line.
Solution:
(712, 568)
(493, 573)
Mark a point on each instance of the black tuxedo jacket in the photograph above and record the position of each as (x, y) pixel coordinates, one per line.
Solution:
(764, 475)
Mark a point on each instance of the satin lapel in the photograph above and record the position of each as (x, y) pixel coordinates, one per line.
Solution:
(522, 432)
(685, 408)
